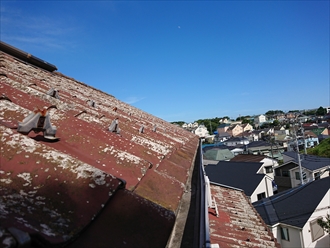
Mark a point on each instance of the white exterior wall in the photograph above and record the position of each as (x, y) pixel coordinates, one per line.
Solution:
(321, 211)
(309, 175)
(201, 131)
(303, 237)
(295, 238)
(260, 119)
(294, 181)
(266, 186)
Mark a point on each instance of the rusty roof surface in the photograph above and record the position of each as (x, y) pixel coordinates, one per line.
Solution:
(238, 224)
(54, 190)
(248, 158)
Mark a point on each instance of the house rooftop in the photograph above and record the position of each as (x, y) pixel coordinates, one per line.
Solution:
(241, 175)
(87, 184)
(294, 206)
(238, 224)
(248, 158)
(310, 162)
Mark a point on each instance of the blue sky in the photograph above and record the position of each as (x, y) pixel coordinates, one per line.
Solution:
(183, 60)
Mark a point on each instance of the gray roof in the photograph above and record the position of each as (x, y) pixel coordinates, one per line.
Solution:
(294, 206)
(218, 154)
(242, 175)
(310, 162)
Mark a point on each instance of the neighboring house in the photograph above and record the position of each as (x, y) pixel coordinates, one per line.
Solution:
(292, 215)
(311, 139)
(233, 141)
(281, 131)
(235, 150)
(222, 128)
(267, 132)
(291, 115)
(265, 148)
(287, 175)
(302, 118)
(250, 135)
(257, 133)
(224, 120)
(235, 130)
(221, 137)
(259, 120)
(241, 175)
(201, 131)
(218, 154)
(268, 164)
(238, 225)
(247, 127)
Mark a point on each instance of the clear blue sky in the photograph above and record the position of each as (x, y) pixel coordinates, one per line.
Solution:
(183, 60)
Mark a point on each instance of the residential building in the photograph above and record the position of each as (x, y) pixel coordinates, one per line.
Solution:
(222, 128)
(265, 148)
(247, 127)
(259, 120)
(221, 137)
(218, 154)
(250, 135)
(235, 130)
(234, 221)
(288, 174)
(267, 167)
(241, 175)
(201, 131)
(292, 215)
(233, 141)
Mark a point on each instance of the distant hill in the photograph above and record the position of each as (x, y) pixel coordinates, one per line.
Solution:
(322, 150)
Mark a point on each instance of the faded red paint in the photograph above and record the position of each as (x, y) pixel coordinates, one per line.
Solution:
(238, 224)
(64, 174)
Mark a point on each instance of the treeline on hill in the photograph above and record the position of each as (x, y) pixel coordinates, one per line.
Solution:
(212, 123)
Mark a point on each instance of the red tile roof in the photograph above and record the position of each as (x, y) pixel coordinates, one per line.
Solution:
(54, 190)
(238, 223)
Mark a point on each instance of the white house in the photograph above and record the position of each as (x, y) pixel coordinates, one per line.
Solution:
(233, 141)
(267, 163)
(241, 175)
(258, 120)
(287, 175)
(292, 215)
(201, 131)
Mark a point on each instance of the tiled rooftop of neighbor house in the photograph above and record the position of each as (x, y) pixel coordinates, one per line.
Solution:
(238, 224)
(126, 188)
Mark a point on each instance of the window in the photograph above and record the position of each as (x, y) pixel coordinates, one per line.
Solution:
(285, 233)
(297, 173)
(316, 230)
(285, 174)
(261, 196)
(269, 169)
(277, 173)
(317, 175)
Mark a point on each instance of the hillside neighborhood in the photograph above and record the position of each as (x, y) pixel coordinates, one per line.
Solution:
(288, 187)
(80, 168)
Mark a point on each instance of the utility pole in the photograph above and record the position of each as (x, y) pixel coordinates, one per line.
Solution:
(299, 161)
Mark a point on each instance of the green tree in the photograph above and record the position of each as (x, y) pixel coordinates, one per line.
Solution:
(321, 111)
(276, 123)
(178, 122)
